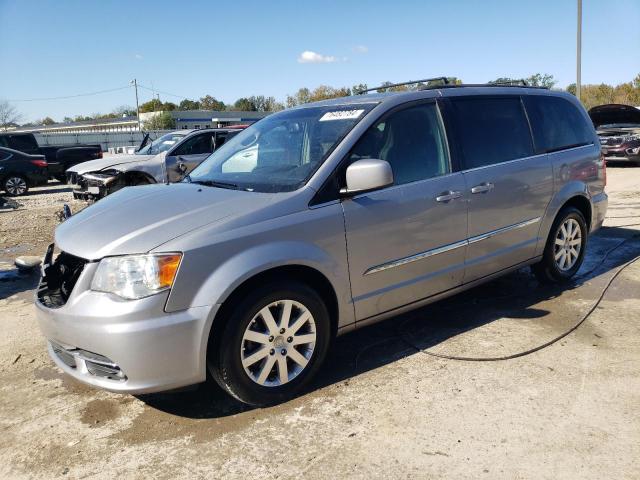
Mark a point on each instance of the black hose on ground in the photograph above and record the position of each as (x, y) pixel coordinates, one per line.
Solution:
(403, 336)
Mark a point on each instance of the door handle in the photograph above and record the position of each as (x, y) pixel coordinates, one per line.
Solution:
(483, 188)
(448, 196)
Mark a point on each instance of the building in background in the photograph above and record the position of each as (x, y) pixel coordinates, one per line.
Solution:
(185, 119)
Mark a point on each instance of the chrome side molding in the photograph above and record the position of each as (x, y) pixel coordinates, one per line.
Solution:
(448, 248)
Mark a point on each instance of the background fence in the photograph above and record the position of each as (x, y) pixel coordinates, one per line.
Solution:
(106, 139)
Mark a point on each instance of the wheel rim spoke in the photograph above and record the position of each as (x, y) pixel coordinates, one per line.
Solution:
(304, 339)
(283, 370)
(269, 321)
(257, 337)
(297, 357)
(286, 314)
(266, 369)
(301, 320)
(254, 357)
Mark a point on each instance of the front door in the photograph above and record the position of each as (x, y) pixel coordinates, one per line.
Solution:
(406, 242)
(509, 187)
(187, 156)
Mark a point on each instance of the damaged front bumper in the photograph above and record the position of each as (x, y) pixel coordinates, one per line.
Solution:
(92, 185)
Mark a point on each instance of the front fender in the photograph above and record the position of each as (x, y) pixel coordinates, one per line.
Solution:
(217, 284)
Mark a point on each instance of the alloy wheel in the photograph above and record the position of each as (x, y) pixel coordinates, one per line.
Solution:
(567, 245)
(278, 343)
(15, 186)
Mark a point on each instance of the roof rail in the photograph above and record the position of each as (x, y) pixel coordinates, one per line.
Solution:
(492, 84)
(444, 80)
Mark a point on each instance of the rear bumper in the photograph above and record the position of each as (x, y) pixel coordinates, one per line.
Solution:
(599, 203)
(622, 154)
(152, 350)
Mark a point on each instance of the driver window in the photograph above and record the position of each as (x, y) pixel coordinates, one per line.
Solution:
(412, 140)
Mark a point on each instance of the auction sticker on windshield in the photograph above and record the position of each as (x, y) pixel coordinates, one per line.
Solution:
(341, 115)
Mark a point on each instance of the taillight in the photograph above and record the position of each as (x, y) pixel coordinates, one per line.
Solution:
(97, 154)
(39, 163)
(604, 168)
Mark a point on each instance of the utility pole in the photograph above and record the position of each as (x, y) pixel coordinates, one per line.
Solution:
(134, 82)
(579, 51)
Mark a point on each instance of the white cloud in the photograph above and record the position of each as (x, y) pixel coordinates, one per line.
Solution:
(360, 49)
(312, 57)
(138, 56)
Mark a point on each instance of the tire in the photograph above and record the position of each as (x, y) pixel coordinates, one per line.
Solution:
(248, 321)
(15, 185)
(562, 256)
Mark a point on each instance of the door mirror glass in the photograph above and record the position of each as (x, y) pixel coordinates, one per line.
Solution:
(366, 175)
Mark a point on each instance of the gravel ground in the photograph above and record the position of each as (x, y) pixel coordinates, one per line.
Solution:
(383, 407)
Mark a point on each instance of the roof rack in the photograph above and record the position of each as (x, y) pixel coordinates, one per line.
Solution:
(499, 84)
(444, 80)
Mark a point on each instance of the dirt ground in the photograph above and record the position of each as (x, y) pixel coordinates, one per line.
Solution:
(384, 406)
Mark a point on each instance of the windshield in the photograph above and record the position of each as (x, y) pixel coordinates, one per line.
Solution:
(161, 144)
(280, 152)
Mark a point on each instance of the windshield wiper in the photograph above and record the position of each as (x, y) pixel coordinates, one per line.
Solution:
(214, 183)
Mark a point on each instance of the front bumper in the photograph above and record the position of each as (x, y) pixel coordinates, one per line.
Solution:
(90, 186)
(622, 153)
(153, 350)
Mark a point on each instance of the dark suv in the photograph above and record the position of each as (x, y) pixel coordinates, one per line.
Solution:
(618, 127)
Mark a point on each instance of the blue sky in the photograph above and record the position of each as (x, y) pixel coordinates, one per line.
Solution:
(233, 49)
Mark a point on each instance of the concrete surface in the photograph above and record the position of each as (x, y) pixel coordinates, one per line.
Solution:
(383, 407)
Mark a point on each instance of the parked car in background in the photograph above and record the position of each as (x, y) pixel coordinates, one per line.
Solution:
(343, 213)
(20, 171)
(618, 127)
(166, 159)
(59, 158)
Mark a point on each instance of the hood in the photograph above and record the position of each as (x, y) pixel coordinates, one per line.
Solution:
(139, 219)
(613, 114)
(107, 162)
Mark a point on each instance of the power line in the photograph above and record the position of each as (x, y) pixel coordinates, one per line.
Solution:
(164, 93)
(67, 96)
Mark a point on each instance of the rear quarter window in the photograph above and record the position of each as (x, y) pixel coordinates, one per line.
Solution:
(490, 130)
(556, 124)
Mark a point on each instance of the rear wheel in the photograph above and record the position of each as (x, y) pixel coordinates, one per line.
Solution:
(565, 248)
(15, 185)
(272, 345)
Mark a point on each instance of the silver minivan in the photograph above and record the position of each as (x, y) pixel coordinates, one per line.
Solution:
(313, 222)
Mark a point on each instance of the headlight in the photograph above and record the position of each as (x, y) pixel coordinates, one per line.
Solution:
(136, 276)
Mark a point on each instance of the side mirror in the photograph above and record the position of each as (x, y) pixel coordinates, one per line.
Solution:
(366, 175)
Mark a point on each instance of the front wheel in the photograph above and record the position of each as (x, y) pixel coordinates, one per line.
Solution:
(272, 345)
(15, 185)
(565, 248)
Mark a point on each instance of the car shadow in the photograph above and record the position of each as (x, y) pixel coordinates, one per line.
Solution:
(54, 188)
(16, 282)
(513, 295)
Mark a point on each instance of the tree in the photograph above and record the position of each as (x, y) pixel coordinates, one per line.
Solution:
(8, 115)
(358, 87)
(187, 104)
(124, 111)
(67, 120)
(161, 121)
(153, 105)
(244, 105)
(169, 106)
(48, 121)
(536, 80)
(210, 103)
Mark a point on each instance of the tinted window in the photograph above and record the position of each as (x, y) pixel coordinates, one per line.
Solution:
(491, 130)
(23, 143)
(556, 123)
(3, 142)
(411, 140)
(4, 155)
(196, 145)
